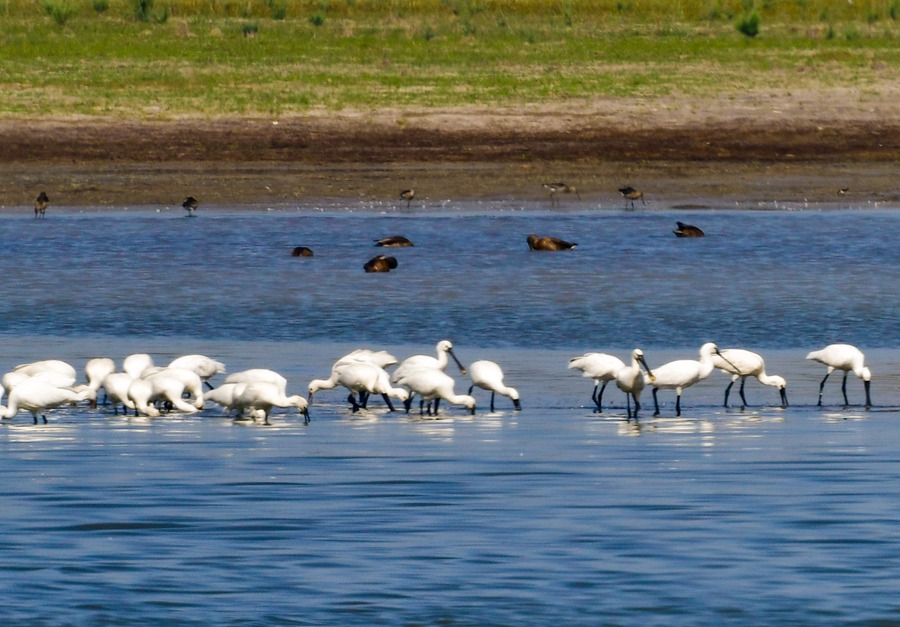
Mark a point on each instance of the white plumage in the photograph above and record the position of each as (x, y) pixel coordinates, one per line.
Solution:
(847, 358)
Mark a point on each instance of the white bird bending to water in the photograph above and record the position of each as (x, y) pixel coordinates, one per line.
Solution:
(263, 396)
(433, 385)
(630, 380)
(136, 364)
(847, 358)
(444, 350)
(96, 370)
(167, 386)
(600, 367)
(741, 364)
(115, 386)
(363, 379)
(51, 365)
(36, 395)
(683, 373)
(257, 374)
(488, 376)
(204, 366)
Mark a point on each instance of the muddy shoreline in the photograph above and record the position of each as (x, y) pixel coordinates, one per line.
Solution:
(110, 163)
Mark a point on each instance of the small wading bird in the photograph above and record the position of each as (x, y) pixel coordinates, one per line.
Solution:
(560, 188)
(394, 241)
(301, 251)
(688, 230)
(631, 194)
(190, 205)
(407, 195)
(630, 380)
(741, 364)
(40, 204)
(380, 264)
(549, 243)
(847, 358)
(487, 375)
(602, 368)
(683, 373)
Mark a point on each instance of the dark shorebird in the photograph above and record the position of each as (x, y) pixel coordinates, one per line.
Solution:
(394, 241)
(549, 243)
(688, 230)
(380, 264)
(407, 195)
(560, 188)
(190, 205)
(40, 204)
(631, 194)
(302, 251)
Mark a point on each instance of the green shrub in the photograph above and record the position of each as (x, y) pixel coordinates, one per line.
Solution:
(317, 19)
(142, 9)
(60, 10)
(250, 29)
(749, 24)
(100, 6)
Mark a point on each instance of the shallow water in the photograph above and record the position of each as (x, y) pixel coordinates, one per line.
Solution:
(554, 513)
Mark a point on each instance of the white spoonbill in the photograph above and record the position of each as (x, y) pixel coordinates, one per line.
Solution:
(96, 370)
(262, 396)
(115, 387)
(257, 374)
(683, 373)
(433, 385)
(741, 364)
(37, 395)
(53, 365)
(224, 395)
(444, 350)
(847, 358)
(361, 378)
(168, 386)
(630, 380)
(600, 367)
(136, 364)
(488, 376)
(204, 366)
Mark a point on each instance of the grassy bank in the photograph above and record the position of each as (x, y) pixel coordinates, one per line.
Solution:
(152, 59)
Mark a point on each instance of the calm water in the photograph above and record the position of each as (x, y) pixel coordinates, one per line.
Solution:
(554, 513)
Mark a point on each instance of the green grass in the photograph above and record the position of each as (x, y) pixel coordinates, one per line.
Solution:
(193, 57)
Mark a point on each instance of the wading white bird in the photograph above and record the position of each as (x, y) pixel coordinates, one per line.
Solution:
(224, 395)
(432, 384)
(602, 368)
(46, 365)
(257, 374)
(96, 370)
(488, 376)
(361, 378)
(136, 364)
(37, 395)
(115, 387)
(53, 377)
(204, 366)
(168, 386)
(847, 358)
(260, 396)
(630, 380)
(444, 350)
(741, 364)
(683, 373)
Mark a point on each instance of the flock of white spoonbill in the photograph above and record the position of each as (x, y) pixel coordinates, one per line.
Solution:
(184, 384)
(683, 373)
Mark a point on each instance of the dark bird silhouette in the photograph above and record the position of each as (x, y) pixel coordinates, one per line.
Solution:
(190, 205)
(688, 230)
(394, 241)
(40, 204)
(380, 264)
(560, 188)
(549, 243)
(631, 194)
(302, 251)
(407, 195)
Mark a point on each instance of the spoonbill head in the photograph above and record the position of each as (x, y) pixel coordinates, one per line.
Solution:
(488, 375)
(602, 368)
(741, 364)
(844, 357)
(683, 373)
